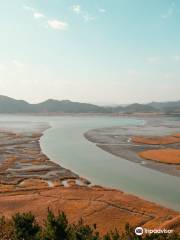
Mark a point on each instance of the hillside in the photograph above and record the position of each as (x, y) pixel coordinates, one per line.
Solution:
(167, 107)
(67, 106)
(10, 105)
(140, 108)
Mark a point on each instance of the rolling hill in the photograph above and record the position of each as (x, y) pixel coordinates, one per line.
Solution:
(10, 105)
(140, 108)
(167, 107)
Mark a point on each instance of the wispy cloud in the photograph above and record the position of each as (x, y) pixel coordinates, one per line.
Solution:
(153, 60)
(2, 67)
(87, 17)
(132, 73)
(76, 9)
(160, 59)
(18, 65)
(12, 67)
(170, 11)
(169, 76)
(102, 10)
(38, 15)
(28, 8)
(54, 24)
(58, 25)
(176, 58)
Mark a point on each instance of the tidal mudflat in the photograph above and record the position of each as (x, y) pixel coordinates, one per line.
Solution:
(32, 182)
(21, 159)
(65, 143)
(152, 145)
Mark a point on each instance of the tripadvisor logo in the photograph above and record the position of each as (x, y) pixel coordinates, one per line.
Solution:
(139, 231)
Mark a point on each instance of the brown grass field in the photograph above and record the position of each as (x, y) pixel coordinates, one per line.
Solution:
(157, 140)
(168, 155)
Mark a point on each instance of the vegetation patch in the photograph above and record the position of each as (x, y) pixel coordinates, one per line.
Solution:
(168, 155)
(157, 140)
(24, 226)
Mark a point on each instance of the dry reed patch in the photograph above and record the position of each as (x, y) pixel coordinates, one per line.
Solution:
(6, 188)
(168, 155)
(8, 163)
(109, 209)
(34, 183)
(156, 140)
(177, 135)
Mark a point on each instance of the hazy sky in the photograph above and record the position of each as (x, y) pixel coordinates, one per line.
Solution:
(99, 51)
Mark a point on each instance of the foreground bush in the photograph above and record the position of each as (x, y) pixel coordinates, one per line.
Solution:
(25, 227)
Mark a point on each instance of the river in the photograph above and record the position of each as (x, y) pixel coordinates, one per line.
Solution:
(65, 144)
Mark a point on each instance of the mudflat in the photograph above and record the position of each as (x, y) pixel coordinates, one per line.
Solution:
(154, 145)
(21, 159)
(29, 181)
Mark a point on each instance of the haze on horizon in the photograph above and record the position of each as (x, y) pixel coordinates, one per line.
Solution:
(103, 52)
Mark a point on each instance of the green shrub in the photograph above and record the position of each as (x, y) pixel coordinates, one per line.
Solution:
(24, 227)
(112, 235)
(56, 228)
(85, 232)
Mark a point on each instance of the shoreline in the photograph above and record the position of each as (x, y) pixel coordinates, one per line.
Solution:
(28, 191)
(25, 160)
(118, 141)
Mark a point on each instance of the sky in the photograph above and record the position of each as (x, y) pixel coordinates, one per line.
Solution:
(98, 51)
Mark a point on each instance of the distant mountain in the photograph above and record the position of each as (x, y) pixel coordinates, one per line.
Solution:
(166, 107)
(10, 105)
(116, 109)
(140, 108)
(67, 106)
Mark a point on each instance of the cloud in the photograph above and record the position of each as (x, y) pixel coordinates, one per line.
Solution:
(176, 58)
(18, 65)
(27, 8)
(12, 67)
(2, 67)
(88, 18)
(76, 9)
(169, 76)
(132, 73)
(58, 25)
(38, 15)
(170, 11)
(83, 14)
(159, 60)
(54, 24)
(153, 60)
(102, 10)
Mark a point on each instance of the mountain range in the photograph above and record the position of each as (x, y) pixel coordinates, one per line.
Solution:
(10, 105)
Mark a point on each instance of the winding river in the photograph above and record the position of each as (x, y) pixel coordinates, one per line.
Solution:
(64, 143)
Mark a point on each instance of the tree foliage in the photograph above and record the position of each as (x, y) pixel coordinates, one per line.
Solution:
(56, 228)
(23, 226)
